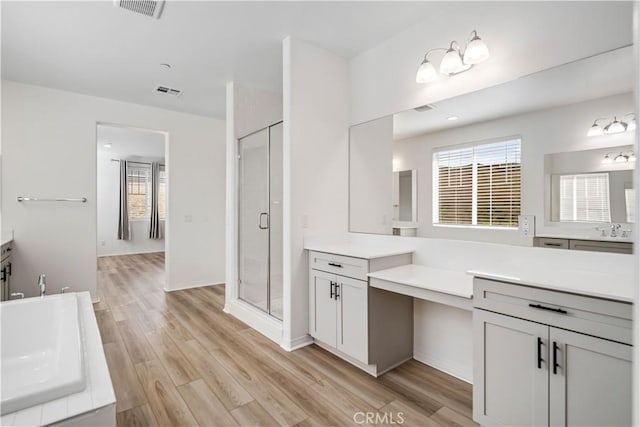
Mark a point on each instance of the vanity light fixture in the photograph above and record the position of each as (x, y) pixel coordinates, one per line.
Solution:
(455, 59)
(614, 126)
(619, 157)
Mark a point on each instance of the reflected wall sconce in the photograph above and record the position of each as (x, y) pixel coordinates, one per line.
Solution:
(455, 60)
(619, 157)
(614, 126)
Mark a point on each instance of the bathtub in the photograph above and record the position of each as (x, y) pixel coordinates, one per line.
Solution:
(42, 351)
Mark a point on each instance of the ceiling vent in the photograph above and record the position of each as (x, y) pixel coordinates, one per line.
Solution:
(425, 107)
(168, 91)
(151, 8)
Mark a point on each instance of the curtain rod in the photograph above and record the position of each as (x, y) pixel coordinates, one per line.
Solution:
(140, 163)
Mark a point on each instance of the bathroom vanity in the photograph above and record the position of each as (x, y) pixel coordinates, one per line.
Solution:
(552, 352)
(369, 328)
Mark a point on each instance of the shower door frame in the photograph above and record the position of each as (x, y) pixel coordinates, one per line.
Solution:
(238, 222)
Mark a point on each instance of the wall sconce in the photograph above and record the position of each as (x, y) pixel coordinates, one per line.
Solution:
(614, 126)
(455, 59)
(619, 157)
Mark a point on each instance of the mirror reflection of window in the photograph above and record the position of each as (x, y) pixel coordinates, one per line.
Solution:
(585, 198)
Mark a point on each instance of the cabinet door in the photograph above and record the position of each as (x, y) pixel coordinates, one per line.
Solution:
(353, 331)
(510, 371)
(322, 322)
(591, 385)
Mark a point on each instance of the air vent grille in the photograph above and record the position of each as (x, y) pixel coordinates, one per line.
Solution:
(151, 8)
(168, 91)
(425, 107)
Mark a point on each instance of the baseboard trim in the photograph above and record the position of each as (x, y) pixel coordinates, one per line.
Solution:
(464, 373)
(192, 285)
(297, 343)
(256, 319)
(131, 253)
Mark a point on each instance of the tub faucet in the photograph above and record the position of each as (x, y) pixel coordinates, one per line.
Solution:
(614, 230)
(42, 284)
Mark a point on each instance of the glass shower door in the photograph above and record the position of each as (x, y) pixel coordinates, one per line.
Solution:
(253, 218)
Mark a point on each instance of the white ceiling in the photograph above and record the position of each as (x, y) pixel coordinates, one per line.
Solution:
(591, 78)
(131, 144)
(95, 48)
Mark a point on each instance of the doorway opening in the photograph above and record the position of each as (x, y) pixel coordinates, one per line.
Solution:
(132, 195)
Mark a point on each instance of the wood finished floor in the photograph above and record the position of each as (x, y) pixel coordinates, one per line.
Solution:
(177, 359)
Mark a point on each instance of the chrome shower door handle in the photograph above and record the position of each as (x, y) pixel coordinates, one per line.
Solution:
(263, 215)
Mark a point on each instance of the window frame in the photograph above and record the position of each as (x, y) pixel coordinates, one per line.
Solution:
(435, 193)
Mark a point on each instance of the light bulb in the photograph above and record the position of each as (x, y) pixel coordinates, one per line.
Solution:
(615, 127)
(476, 52)
(426, 72)
(452, 62)
(595, 130)
(607, 160)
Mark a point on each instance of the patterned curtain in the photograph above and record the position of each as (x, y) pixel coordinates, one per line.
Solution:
(124, 230)
(156, 230)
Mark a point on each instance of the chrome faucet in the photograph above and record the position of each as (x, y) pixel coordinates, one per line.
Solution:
(614, 230)
(42, 284)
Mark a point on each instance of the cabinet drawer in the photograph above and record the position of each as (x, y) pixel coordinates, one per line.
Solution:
(597, 246)
(592, 316)
(356, 268)
(549, 242)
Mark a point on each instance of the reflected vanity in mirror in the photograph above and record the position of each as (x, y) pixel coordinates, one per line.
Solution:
(479, 163)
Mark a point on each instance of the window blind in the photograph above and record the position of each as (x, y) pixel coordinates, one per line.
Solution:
(585, 197)
(138, 185)
(478, 185)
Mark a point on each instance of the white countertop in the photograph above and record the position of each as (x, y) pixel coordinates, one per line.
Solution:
(595, 237)
(356, 250)
(619, 287)
(6, 236)
(434, 279)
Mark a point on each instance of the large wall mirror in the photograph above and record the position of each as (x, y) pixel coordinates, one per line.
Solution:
(470, 166)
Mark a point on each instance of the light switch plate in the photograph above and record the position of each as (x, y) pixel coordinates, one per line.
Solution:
(527, 225)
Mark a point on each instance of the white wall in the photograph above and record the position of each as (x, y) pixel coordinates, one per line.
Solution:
(108, 201)
(523, 37)
(553, 130)
(49, 149)
(316, 119)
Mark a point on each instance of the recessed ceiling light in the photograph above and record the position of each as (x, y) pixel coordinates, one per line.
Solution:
(452, 118)
(107, 145)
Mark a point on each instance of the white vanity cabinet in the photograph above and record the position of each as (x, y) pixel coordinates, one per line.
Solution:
(543, 357)
(371, 328)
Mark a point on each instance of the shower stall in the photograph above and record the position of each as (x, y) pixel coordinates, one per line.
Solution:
(260, 219)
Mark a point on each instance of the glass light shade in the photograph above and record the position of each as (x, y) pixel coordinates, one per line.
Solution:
(631, 126)
(595, 130)
(426, 72)
(476, 52)
(451, 63)
(620, 158)
(607, 160)
(615, 127)
(632, 157)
